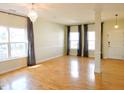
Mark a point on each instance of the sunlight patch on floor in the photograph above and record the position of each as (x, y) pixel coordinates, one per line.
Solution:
(36, 66)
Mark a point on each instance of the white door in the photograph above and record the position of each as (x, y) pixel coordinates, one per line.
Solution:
(116, 44)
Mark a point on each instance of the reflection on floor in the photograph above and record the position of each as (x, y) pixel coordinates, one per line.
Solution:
(67, 72)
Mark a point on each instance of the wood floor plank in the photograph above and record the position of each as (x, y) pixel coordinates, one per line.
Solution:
(66, 72)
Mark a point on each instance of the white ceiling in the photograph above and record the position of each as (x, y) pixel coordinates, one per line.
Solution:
(71, 13)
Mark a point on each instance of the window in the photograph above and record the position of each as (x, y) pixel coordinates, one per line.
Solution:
(18, 42)
(13, 43)
(3, 51)
(74, 39)
(91, 40)
(3, 43)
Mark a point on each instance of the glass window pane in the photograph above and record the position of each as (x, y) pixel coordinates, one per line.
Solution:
(74, 36)
(91, 45)
(18, 49)
(3, 51)
(91, 35)
(17, 35)
(91, 40)
(74, 44)
(3, 34)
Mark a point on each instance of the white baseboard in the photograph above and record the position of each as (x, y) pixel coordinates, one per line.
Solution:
(24, 65)
(12, 65)
(44, 60)
(12, 69)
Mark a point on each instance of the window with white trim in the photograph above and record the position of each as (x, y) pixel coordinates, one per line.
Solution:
(13, 43)
(74, 39)
(91, 40)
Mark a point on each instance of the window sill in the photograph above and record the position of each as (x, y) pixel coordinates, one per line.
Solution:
(10, 59)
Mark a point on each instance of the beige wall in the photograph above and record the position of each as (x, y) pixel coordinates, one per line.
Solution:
(49, 40)
(12, 21)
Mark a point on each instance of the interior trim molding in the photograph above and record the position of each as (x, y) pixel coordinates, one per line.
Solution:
(44, 60)
(13, 14)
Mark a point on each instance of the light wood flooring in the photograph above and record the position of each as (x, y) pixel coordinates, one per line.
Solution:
(68, 73)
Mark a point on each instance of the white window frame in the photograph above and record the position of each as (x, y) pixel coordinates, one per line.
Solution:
(9, 46)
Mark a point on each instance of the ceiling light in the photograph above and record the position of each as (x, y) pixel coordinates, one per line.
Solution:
(32, 14)
(116, 24)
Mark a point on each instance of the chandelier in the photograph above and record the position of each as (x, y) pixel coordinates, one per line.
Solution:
(32, 14)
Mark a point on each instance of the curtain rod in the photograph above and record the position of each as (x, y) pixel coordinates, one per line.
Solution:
(13, 14)
(83, 24)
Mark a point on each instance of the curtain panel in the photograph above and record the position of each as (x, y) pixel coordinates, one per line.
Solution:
(68, 41)
(85, 51)
(79, 51)
(31, 53)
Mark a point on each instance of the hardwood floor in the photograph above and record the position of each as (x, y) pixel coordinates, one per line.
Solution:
(67, 72)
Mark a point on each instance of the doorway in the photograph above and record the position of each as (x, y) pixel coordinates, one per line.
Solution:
(116, 44)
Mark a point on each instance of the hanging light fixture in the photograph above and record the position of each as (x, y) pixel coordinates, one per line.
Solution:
(116, 24)
(32, 14)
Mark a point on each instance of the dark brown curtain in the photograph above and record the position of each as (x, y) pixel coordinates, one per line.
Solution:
(102, 40)
(80, 41)
(68, 41)
(31, 52)
(85, 52)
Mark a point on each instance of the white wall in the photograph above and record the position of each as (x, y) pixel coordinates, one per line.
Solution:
(49, 40)
(65, 40)
(108, 28)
